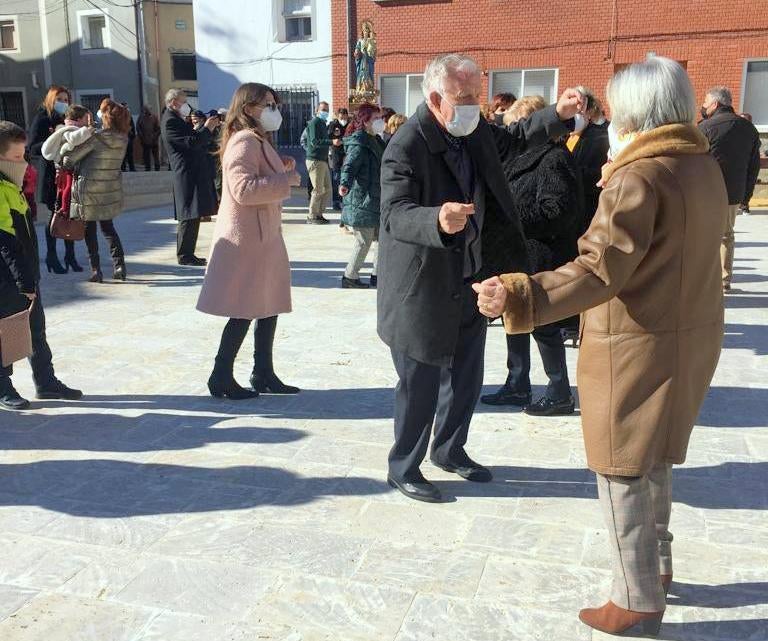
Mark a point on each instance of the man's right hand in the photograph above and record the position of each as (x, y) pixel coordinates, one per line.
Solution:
(453, 217)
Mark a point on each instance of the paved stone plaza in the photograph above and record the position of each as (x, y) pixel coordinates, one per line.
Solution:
(149, 511)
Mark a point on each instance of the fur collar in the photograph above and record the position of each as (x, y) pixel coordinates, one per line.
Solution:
(668, 140)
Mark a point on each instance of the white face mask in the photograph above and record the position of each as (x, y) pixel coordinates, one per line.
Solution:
(60, 107)
(271, 119)
(618, 142)
(185, 110)
(465, 120)
(343, 122)
(378, 126)
(98, 115)
(580, 123)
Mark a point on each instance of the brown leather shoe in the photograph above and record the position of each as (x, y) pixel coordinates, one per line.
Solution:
(666, 581)
(620, 622)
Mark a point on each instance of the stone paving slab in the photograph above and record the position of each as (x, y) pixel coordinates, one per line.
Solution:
(149, 511)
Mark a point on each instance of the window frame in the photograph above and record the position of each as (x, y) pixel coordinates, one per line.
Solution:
(23, 92)
(407, 77)
(91, 51)
(523, 71)
(190, 54)
(16, 35)
(282, 18)
(744, 72)
(79, 93)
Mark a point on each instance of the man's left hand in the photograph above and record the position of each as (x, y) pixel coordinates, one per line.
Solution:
(571, 103)
(491, 297)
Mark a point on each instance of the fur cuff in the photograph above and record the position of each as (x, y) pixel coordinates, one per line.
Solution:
(519, 312)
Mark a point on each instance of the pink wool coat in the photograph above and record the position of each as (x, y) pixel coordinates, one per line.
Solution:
(248, 273)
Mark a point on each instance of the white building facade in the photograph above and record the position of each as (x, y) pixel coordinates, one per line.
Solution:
(282, 43)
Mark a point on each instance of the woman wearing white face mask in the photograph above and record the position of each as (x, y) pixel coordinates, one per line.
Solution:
(248, 276)
(360, 187)
(49, 116)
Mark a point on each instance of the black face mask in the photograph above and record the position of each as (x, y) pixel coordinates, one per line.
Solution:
(704, 114)
(498, 119)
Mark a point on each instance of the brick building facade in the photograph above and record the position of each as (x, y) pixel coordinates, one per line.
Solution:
(548, 46)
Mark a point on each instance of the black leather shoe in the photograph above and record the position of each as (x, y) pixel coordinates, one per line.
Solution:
(271, 384)
(467, 469)
(318, 221)
(352, 283)
(548, 407)
(506, 396)
(56, 389)
(96, 276)
(119, 273)
(10, 399)
(421, 490)
(193, 261)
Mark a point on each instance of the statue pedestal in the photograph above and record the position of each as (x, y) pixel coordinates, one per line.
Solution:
(357, 98)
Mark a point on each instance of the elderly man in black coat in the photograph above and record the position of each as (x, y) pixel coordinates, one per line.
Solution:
(192, 193)
(447, 219)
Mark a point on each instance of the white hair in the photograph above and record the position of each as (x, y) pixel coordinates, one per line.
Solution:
(722, 95)
(650, 94)
(173, 94)
(442, 67)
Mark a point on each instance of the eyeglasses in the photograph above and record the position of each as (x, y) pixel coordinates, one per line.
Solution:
(270, 106)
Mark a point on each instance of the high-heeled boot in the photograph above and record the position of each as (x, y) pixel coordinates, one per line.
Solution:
(263, 378)
(222, 383)
(615, 620)
(69, 257)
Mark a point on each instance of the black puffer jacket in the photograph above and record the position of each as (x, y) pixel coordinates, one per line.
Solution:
(735, 144)
(589, 156)
(546, 194)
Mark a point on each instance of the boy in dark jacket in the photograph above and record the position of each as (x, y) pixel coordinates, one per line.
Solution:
(20, 273)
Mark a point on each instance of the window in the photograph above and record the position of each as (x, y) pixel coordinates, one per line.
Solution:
(401, 93)
(298, 103)
(298, 19)
(91, 98)
(8, 35)
(94, 31)
(755, 94)
(12, 106)
(526, 82)
(184, 66)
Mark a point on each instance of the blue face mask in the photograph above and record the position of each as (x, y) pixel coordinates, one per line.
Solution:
(60, 107)
(323, 115)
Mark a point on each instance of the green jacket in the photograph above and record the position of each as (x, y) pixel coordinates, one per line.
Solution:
(19, 260)
(361, 174)
(318, 142)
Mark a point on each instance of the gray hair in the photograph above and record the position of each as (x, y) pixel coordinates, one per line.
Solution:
(722, 95)
(651, 94)
(173, 94)
(442, 67)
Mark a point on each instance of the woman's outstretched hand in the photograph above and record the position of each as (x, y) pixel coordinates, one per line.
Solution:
(491, 297)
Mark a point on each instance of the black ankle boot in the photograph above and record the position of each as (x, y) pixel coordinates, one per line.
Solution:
(56, 389)
(227, 387)
(270, 384)
(10, 399)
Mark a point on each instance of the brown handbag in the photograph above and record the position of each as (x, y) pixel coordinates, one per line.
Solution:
(67, 228)
(15, 338)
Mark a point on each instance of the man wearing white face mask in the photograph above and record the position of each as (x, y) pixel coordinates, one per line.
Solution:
(446, 220)
(187, 150)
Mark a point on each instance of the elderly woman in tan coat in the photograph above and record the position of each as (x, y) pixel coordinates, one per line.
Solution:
(648, 282)
(249, 276)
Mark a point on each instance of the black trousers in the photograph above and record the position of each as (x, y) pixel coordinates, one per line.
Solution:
(50, 243)
(446, 396)
(113, 240)
(128, 158)
(152, 151)
(186, 238)
(335, 181)
(552, 349)
(232, 340)
(41, 359)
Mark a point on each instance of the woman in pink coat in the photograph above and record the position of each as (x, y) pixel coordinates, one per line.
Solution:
(248, 276)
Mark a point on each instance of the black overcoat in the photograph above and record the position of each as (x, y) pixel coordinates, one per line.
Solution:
(192, 187)
(420, 268)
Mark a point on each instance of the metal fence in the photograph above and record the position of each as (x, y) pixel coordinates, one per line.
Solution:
(297, 106)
